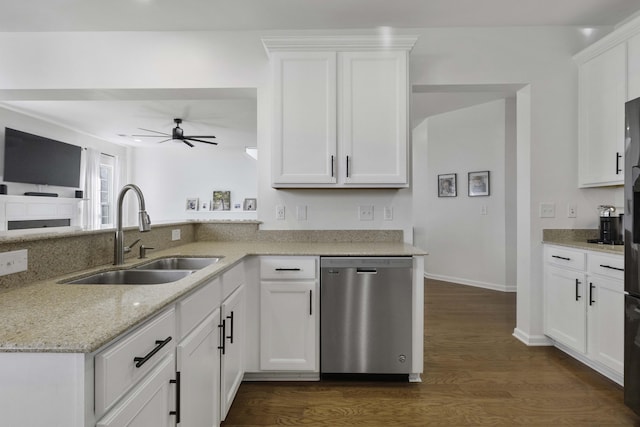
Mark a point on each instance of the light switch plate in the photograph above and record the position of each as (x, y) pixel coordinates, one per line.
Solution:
(13, 262)
(388, 213)
(301, 213)
(365, 213)
(547, 210)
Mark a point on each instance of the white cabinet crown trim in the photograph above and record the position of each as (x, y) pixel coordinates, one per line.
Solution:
(617, 36)
(338, 43)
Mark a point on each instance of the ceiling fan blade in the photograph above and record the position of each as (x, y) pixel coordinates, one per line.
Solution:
(165, 140)
(199, 136)
(151, 136)
(154, 131)
(200, 140)
(188, 143)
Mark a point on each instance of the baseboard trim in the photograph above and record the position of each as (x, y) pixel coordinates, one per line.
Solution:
(474, 283)
(614, 376)
(532, 340)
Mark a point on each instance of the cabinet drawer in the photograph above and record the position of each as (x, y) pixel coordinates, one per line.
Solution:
(606, 265)
(194, 308)
(115, 368)
(288, 268)
(565, 257)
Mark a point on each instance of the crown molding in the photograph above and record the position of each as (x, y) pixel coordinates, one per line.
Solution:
(338, 43)
(617, 36)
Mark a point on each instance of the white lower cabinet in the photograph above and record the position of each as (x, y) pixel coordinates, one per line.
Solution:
(584, 306)
(288, 324)
(198, 366)
(150, 403)
(232, 366)
(289, 313)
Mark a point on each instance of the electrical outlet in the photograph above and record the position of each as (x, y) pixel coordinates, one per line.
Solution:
(365, 213)
(547, 210)
(280, 212)
(175, 234)
(13, 262)
(572, 210)
(301, 213)
(388, 213)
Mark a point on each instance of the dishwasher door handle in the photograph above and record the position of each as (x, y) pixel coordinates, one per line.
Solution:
(366, 270)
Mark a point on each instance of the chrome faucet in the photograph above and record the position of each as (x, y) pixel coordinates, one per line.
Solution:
(144, 223)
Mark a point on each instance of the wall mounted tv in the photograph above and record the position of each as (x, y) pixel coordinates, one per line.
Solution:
(34, 159)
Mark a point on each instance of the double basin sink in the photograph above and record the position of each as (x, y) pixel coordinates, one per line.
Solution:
(162, 270)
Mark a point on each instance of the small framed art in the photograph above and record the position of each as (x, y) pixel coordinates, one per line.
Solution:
(478, 183)
(250, 204)
(192, 204)
(447, 186)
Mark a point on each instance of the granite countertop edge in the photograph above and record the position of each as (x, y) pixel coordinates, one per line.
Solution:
(53, 317)
(596, 247)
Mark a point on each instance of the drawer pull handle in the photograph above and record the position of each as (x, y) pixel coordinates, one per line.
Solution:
(618, 157)
(159, 344)
(288, 269)
(612, 268)
(577, 289)
(591, 301)
(561, 257)
(177, 411)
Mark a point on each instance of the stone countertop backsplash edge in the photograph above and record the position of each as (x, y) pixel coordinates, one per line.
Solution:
(577, 238)
(50, 316)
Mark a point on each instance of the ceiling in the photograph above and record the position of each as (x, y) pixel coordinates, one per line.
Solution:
(224, 112)
(166, 15)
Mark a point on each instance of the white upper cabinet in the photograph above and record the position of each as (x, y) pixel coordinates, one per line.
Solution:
(304, 90)
(633, 63)
(603, 92)
(373, 117)
(340, 111)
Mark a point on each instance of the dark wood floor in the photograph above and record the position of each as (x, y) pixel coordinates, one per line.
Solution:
(475, 373)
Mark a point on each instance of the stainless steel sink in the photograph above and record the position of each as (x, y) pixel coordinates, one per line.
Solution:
(179, 263)
(133, 277)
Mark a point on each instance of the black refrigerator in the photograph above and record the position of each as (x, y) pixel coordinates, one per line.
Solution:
(632, 256)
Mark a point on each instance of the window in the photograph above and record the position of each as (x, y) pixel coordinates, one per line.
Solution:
(107, 166)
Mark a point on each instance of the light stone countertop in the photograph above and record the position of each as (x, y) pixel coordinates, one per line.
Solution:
(48, 316)
(578, 239)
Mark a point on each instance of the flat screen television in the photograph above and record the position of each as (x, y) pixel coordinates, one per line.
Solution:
(34, 159)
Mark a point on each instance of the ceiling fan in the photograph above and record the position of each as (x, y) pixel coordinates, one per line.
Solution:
(178, 135)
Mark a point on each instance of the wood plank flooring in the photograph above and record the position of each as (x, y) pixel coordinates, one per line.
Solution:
(475, 373)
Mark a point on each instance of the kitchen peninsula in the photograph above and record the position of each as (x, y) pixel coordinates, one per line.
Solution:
(56, 337)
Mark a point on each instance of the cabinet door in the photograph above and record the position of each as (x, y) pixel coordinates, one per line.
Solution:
(373, 123)
(304, 126)
(232, 366)
(149, 404)
(603, 92)
(565, 307)
(288, 326)
(633, 64)
(606, 322)
(198, 362)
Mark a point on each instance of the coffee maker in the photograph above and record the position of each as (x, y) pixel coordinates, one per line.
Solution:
(611, 226)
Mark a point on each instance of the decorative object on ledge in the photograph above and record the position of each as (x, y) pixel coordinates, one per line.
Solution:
(447, 185)
(478, 183)
(192, 204)
(250, 204)
(221, 201)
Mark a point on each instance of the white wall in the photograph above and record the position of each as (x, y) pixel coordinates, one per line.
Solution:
(464, 245)
(169, 175)
(535, 56)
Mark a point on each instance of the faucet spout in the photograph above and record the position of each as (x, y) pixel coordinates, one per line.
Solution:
(144, 222)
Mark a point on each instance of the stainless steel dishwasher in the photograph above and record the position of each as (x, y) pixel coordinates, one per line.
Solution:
(365, 315)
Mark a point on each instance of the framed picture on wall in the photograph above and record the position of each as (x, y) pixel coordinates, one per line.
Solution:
(192, 204)
(221, 201)
(250, 204)
(478, 183)
(447, 186)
